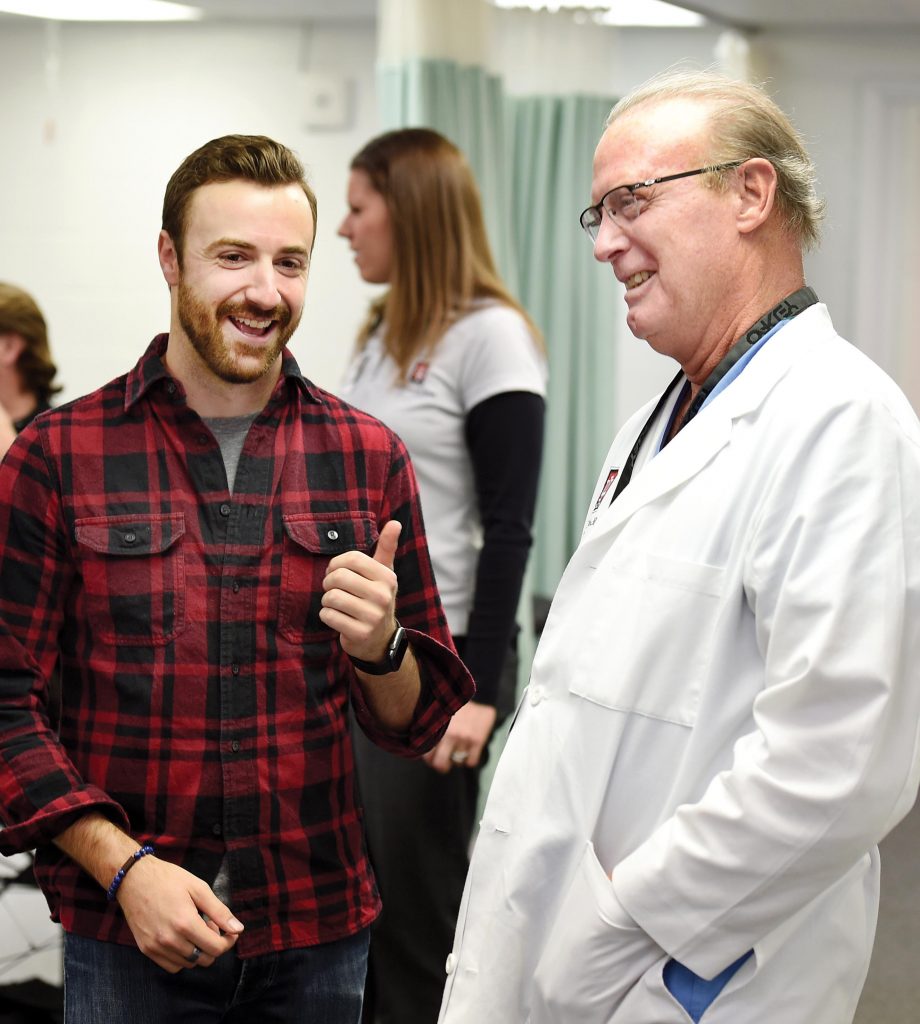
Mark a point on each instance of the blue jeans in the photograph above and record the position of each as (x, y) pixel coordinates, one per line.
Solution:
(323, 984)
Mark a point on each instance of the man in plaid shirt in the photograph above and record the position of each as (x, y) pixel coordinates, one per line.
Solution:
(210, 545)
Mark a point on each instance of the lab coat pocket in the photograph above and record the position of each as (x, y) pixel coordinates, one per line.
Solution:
(647, 638)
(594, 954)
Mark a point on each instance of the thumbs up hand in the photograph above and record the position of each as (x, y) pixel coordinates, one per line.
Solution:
(359, 599)
(385, 552)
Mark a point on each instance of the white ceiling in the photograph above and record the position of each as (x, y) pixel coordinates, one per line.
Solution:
(750, 14)
(742, 13)
(288, 10)
(810, 13)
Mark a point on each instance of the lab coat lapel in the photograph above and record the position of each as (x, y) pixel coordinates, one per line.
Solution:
(680, 460)
(701, 440)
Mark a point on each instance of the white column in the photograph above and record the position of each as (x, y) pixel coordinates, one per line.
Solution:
(437, 29)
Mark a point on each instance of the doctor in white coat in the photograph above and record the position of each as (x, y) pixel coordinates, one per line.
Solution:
(722, 720)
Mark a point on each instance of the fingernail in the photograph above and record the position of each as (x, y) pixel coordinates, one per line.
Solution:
(234, 926)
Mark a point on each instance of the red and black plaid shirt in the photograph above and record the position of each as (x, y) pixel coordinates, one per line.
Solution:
(205, 705)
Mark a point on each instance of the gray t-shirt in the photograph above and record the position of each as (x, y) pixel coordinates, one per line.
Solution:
(230, 433)
(486, 353)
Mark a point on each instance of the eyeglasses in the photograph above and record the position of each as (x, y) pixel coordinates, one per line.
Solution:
(622, 203)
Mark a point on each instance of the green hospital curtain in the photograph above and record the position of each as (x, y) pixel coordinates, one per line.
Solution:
(572, 298)
(532, 160)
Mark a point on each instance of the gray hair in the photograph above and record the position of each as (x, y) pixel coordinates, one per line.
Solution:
(744, 123)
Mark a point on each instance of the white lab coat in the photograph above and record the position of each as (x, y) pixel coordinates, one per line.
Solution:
(723, 712)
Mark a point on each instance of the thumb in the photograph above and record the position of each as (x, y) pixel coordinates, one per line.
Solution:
(385, 552)
(209, 905)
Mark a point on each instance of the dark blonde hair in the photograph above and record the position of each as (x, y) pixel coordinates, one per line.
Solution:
(442, 261)
(254, 158)
(19, 314)
(744, 122)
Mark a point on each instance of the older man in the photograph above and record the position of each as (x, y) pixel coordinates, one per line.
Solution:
(722, 719)
(213, 544)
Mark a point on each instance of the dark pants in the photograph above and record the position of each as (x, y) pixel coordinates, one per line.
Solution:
(323, 984)
(418, 826)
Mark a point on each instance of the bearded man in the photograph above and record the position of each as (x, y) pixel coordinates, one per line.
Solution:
(213, 545)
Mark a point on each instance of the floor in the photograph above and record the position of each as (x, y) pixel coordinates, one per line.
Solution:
(892, 992)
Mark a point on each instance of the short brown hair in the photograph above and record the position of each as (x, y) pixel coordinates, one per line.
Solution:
(744, 123)
(19, 314)
(254, 158)
(442, 261)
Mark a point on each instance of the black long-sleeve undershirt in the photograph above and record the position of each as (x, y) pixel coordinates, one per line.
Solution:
(504, 435)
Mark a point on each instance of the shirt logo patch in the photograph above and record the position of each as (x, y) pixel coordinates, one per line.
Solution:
(419, 373)
(611, 476)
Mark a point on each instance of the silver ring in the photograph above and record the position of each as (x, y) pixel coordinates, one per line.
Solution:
(193, 956)
(459, 756)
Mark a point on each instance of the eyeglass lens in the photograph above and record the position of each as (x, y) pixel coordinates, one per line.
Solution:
(620, 203)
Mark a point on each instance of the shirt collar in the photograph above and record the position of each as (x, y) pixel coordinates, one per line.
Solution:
(150, 370)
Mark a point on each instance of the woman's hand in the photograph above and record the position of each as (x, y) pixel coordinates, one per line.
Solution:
(467, 735)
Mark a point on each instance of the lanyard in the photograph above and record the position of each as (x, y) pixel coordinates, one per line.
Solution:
(789, 307)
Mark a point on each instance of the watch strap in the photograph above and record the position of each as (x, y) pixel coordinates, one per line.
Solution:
(392, 659)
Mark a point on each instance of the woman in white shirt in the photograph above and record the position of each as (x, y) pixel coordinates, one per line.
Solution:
(452, 363)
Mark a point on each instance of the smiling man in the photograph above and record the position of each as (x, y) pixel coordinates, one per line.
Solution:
(721, 721)
(212, 545)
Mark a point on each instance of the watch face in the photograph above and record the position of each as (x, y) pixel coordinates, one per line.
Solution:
(397, 649)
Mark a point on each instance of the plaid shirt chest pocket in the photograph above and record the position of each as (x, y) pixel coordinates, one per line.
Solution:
(133, 572)
(311, 540)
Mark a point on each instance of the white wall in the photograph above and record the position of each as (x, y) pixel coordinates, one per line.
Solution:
(88, 151)
(856, 97)
(81, 209)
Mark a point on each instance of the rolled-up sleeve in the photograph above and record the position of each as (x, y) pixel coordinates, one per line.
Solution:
(446, 683)
(41, 792)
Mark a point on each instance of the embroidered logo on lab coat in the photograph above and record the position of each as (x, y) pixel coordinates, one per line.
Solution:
(419, 373)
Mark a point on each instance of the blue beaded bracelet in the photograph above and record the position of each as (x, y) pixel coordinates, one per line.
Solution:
(125, 868)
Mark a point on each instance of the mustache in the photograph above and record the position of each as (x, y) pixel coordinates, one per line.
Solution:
(281, 314)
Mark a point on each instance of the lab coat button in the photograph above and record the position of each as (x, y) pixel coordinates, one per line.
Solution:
(451, 963)
(536, 695)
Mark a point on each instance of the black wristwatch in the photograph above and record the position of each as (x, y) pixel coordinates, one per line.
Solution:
(392, 659)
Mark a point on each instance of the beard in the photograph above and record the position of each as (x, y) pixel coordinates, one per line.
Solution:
(232, 361)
